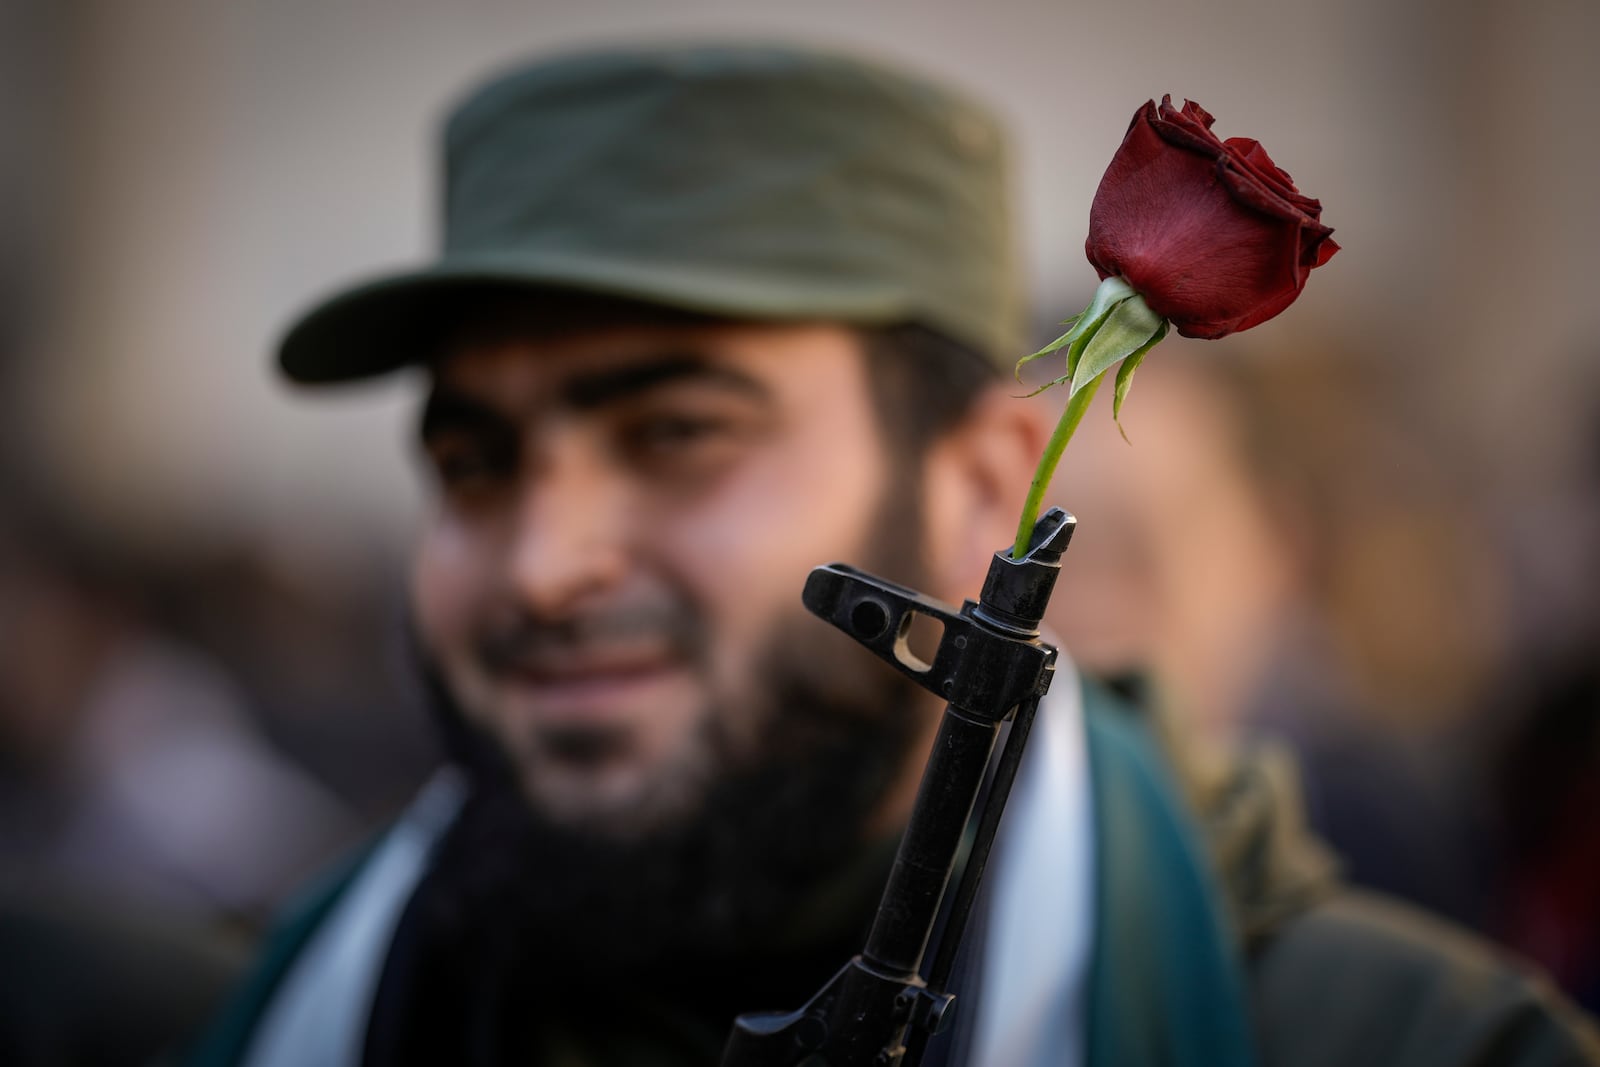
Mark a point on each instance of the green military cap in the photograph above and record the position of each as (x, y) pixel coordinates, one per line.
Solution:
(757, 183)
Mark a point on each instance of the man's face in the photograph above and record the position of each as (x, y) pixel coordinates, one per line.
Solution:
(624, 521)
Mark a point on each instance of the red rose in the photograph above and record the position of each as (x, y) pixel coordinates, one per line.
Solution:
(1211, 233)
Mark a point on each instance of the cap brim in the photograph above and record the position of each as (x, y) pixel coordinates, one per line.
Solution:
(402, 319)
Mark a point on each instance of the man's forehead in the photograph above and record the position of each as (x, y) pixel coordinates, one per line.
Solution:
(523, 361)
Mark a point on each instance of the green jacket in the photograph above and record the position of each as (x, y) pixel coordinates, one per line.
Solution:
(1225, 941)
(1338, 977)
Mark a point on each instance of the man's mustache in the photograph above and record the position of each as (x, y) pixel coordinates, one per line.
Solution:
(529, 641)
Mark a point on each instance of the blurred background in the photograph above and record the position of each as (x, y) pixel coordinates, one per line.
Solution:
(1369, 529)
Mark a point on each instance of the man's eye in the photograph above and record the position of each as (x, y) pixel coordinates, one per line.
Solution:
(468, 469)
(681, 445)
(667, 433)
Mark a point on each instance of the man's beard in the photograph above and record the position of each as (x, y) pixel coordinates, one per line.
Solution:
(520, 894)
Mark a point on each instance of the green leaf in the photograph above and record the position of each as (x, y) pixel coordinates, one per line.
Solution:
(1125, 376)
(1129, 327)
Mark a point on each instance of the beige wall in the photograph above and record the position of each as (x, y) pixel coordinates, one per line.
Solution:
(222, 163)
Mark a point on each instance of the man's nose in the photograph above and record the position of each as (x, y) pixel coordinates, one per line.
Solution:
(569, 537)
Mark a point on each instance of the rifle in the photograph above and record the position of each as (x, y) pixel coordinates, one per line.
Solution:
(990, 666)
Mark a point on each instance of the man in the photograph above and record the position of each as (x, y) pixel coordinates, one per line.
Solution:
(706, 318)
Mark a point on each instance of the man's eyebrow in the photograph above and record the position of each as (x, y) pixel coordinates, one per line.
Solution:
(598, 388)
(447, 409)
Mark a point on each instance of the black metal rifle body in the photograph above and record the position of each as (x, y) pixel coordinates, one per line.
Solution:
(990, 666)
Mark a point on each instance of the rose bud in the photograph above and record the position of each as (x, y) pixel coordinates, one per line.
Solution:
(1211, 233)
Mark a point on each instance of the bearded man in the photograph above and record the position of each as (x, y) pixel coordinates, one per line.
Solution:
(704, 319)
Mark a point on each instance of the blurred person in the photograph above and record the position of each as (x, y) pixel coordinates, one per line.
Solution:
(705, 318)
(317, 639)
(1277, 560)
(1545, 774)
(144, 825)
(1183, 571)
(128, 760)
(1547, 784)
(1266, 499)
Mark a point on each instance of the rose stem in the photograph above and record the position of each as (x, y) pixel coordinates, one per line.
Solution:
(1047, 462)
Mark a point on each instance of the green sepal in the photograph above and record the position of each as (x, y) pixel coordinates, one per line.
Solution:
(1110, 293)
(1051, 384)
(1125, 375)
(1053, 346)
(1128, 328)
(1065, 339)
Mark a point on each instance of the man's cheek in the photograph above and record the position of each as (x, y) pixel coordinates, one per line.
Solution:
(447, 595)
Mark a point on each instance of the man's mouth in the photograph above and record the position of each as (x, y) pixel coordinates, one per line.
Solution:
(590, 684)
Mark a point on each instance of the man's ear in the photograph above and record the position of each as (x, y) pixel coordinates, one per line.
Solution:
(976, 479)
